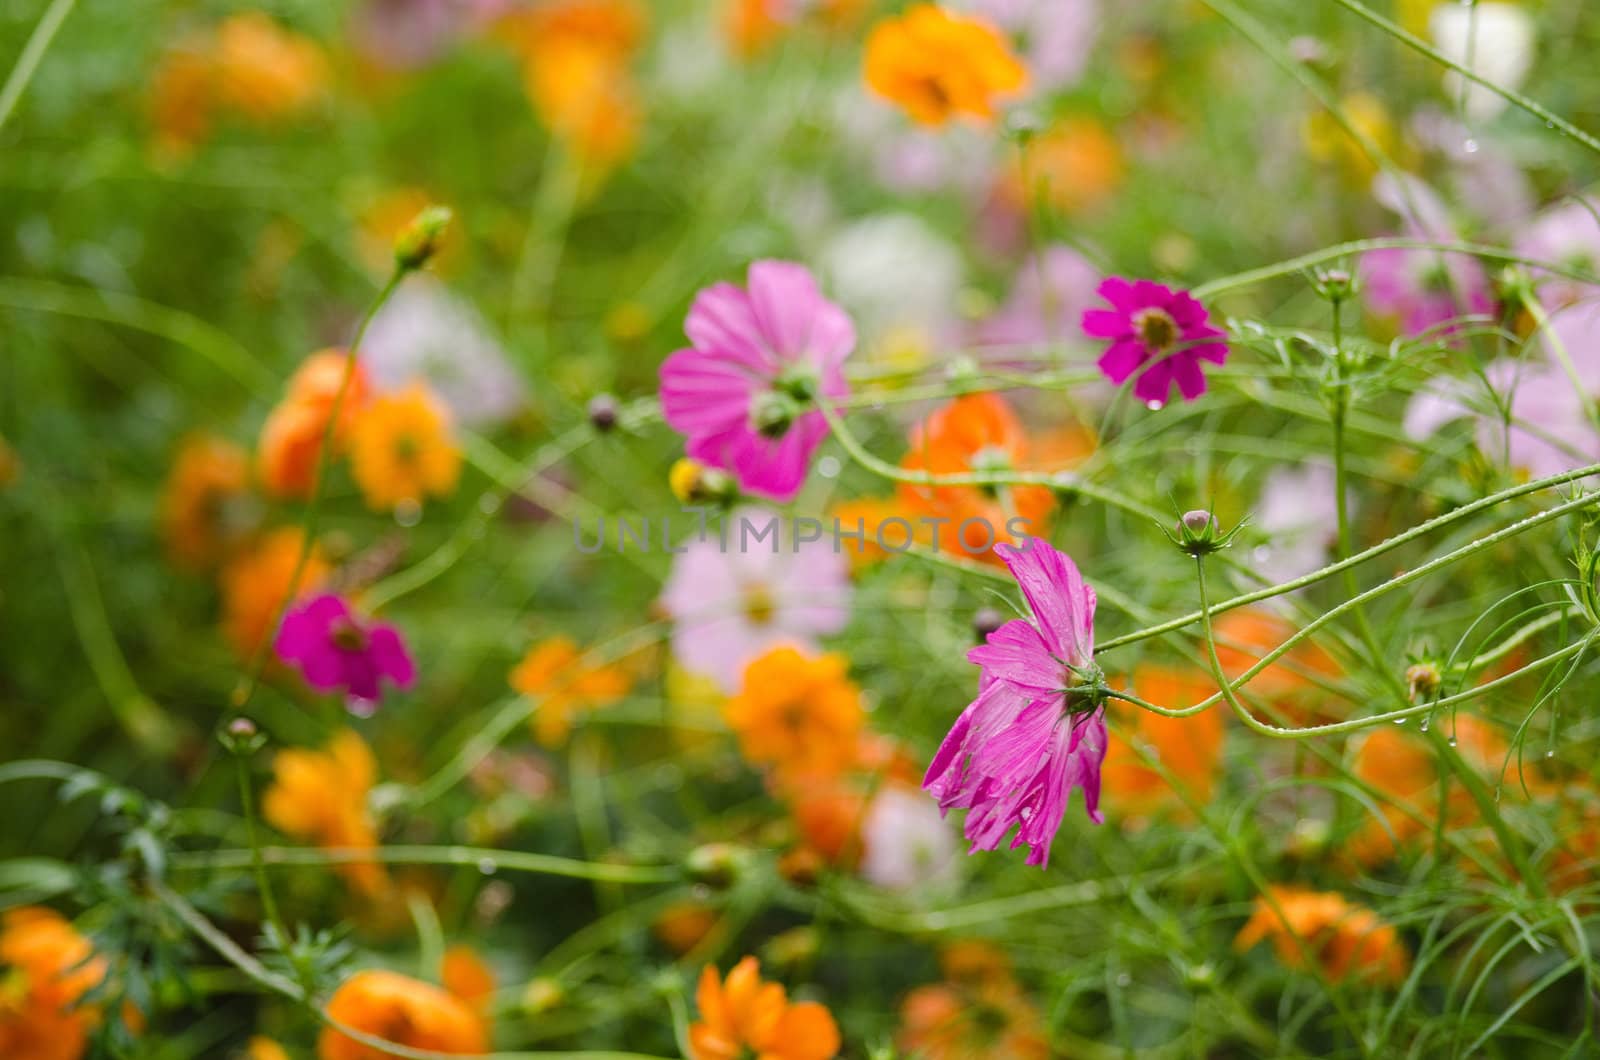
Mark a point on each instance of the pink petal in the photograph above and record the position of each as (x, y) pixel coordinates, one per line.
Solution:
(721, 321)
(1121, 360)
(388, 655)
(1016, 653)
(1155, 383)
(1106, 324)
(702, 394)
(785, 301)
(1191, 381)
(1062, 604)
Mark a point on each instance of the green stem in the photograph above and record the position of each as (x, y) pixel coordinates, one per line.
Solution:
(1417, 44)
(32, 55)
(308, 523)
(484, 858)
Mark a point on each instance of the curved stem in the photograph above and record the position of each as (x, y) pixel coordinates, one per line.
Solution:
(32, 55)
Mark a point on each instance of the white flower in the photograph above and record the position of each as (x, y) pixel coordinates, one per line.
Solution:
(1493, 40)
(427, 333)
(895, 274)
(905, 840)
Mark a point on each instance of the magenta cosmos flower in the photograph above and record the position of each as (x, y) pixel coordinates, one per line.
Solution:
(744, 394)
(334, 648)
(1157, 333)
(1037, 729)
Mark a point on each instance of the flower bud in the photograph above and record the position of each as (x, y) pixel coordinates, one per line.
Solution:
(603, 412)
(986, 620)
(1423, 680)
(717, 865)
(241, 737)
(1336, 285)
(1199, 534)
(419, 240)
(694, 483)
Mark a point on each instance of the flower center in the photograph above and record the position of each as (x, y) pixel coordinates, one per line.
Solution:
(347, 636)
(1083, 688)
(759, 606)
(406, 449)
(1156, 329)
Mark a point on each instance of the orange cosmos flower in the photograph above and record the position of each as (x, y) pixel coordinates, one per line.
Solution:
(745, 1015)
(401, 450)
(937, 65)
(49, 967)
(403, 1011)
(321, 797)
(195, 517)
(1345, 939)
(977, 433)
(257, 583)
(885, 526)
(798, 714)
(979, 1011)
(291, 437)
(1245, 635)
(682, 925)
(264, 71)
(575, 55)
(1074, 167)
(1188, 749)
(466, 976)
(182, 96)
(552, 673)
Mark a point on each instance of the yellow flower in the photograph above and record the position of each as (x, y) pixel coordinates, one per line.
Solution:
(321, 796)
(1330, 143)
(938, 66)
(401, 450)
(552, 673)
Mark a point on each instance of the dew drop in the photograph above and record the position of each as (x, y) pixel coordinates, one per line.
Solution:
(1399, 721)
(1470, 147)
(1154, 406)
(1452, 741)
(1550, 753)
(829, 467)
(487, 866)
(488, 504)
(1425, 723)
(408, 513)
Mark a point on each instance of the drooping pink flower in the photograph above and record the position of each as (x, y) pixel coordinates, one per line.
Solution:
(1037, 729)
(735, 595)
(335, 648)
(1158, 333)
(744, 394)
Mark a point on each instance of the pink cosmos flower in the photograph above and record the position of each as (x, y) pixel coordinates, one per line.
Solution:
(334, 648)
(744, 393)
(1158, 333)
(736, 595)
(906, 844)
(1424, 291)
(1049, 295)
(1550, 431)
(1037, 729)
(1565, 234)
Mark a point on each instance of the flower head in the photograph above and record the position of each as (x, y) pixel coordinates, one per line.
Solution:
(744, 1014)
(257, 583)
(977, 433)
(1157, 333)
(209, 477)
(905, 842)
(938, 66)
(291, 438)
(979, 1010)
(401, 1010)
(733, 603)
(1037, 729)
(1346, 940)
(321, 796)
(554, 674)
(743, 393)
(798, 714)
(401, 450)
(334, 648)
(50, 967)
(1188, 750)
(1423, 292)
